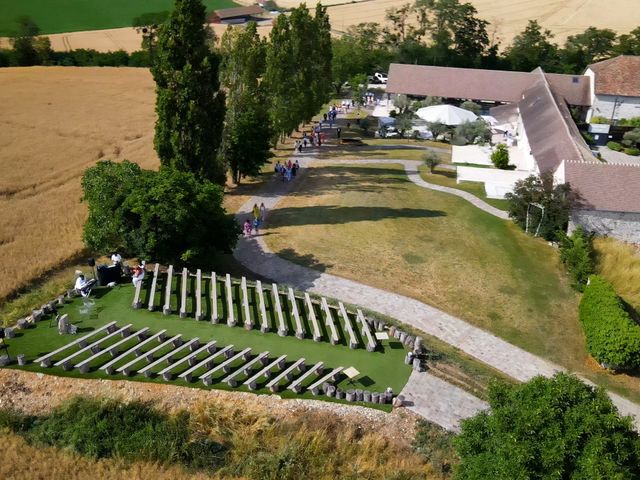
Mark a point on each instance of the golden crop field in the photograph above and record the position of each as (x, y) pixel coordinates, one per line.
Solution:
(55, 122)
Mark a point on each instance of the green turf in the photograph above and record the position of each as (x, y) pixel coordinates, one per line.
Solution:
(56, 16)
(380, 369)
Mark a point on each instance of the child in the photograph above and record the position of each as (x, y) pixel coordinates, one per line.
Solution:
(256, 225)
(247, 228)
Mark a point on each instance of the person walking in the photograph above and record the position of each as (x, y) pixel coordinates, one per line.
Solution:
(263, 212)
(256, 212)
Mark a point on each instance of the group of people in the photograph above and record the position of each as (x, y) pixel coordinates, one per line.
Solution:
(287, 170)
(259, 216)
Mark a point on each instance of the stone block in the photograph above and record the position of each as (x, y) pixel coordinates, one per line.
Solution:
(339, 394)
(392, 331)
(350, 396)
(375, 397)
(330, 391)
(417, 365)
(398, 401)
(366, 396)
(359, 395)
(417, 345)
(4, 360)
(60, 300)
(9, 332)
(408, 358)
(22, 324)
(167, 376)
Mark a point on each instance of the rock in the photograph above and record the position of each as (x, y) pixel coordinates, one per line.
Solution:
(350, 396)
(330, 391)
(417, 365)
(9, 333)
(22, 360)
(339, 394)
(417, 345)
(4, 360)
(398, 401)
(22, 324)
(366, 396)
(359, 395)
(392, 331)
(375, 397)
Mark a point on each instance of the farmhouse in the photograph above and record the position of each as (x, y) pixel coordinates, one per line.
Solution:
(235, 15)
(532, 110)
(615, 88)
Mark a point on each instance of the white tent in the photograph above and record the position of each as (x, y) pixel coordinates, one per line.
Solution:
(447, 114)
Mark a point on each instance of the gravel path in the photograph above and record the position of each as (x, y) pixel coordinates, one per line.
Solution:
(484, 346)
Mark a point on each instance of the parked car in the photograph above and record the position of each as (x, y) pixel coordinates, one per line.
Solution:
(379, 77)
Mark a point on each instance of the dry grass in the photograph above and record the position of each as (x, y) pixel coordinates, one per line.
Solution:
(55, 122)
(619, 263)
(20, 461)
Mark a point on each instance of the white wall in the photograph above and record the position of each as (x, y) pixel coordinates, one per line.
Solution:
(626, 107)
(496, 182)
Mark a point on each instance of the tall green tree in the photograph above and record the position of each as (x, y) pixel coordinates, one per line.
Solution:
(590, 46)
(189, 104)
(323, 55)
(279, 78)
(23, 42)
(533, 48)
(629, 43)
(548, 428)
(247, 134)
(304, 43)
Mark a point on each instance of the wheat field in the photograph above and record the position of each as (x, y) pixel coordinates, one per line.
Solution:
(55, 122)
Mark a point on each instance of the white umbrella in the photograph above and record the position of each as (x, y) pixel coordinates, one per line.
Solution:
(447, 114)
(490, 120)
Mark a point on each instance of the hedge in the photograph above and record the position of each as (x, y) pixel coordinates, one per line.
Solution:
(613, 338)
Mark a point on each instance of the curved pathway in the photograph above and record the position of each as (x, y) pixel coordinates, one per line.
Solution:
(519, 364)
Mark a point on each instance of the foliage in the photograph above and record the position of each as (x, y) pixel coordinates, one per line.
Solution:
(619, 263)
(632, 151)
(473, 132)
(189, 105)
(600, 120)
(629, 44)
(247, 134)
(133, 431)
(613, 338)
(590, 46)
(167, 215)
(532, 49)
(365, 125)
(500, 156)
(436, 446)
(615, 146)
(431, 159)
(437, 128)
(576, 252)
(632, 139)
(147, 24)
(553, 427)
(588, 138)
(24, 43)
(632, 122)
(471, 106)
(402, 104)
(404, 123)
(557, 200)
(431, 100)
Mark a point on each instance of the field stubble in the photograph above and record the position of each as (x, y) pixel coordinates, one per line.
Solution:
(55, 122)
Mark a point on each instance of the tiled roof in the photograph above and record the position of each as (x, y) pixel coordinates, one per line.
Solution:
(551, 132)
(605, 186)
(618, 76)
(479, 84)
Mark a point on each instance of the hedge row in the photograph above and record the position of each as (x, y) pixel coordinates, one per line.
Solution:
(613, 338)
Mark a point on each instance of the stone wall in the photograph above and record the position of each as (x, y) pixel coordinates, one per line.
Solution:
(625, 107)
(624, 226)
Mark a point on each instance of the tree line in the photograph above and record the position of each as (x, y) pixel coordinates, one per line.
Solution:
(219, 110)
(450, 33)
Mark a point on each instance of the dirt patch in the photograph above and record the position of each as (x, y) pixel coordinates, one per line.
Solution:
(37, 394)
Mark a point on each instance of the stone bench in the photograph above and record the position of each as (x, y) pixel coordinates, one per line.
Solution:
(231, 320)
(93, 347)
(167, 291)
(248, 321)
(264, 320)
(190, 359)
(328, 318)
(148, 356)
(296, 314)
(207, 362)
(45, 360)
(192, 344)
(329, 377)
(282, 326)
(371, 341)
(273, 385)
(108, 367)
(296, 386)
(353, 340)
(183, 292)
(231, 379)
(224, 366)
(265, 372)
(112, 350)
(213, 293)
(311, 315)
(199, 315)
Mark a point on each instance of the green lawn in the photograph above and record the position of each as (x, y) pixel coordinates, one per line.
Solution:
(371, 224)
(56, 16)
(378, 369)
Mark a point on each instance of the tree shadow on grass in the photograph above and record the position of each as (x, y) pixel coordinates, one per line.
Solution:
(335, 214)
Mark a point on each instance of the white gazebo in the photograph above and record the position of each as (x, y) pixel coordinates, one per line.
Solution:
(447, 114)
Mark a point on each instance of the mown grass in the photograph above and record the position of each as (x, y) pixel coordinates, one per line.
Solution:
(371, 224)
(56, 16)
(619, 263)
(228, 441)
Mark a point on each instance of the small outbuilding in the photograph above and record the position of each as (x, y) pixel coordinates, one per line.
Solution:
(236, 15)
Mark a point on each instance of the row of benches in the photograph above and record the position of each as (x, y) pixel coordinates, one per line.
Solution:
(144, 361)
(249, 322)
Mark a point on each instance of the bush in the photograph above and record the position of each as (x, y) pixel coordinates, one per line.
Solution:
(600, 120)
(435, 445)
(473, 132)
(615, 146)
(632, 139)
(632, 151)
(500, 156)
(431, 159)
(613, 338)
(588, 138)
(471, 106)
(632, 122)
(576, 252)
(134, 431)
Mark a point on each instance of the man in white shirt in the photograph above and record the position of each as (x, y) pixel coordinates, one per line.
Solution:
(116, 258)
(82, 286)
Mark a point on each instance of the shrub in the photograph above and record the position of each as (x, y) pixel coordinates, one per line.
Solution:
(631, 139)
(435, 445)
(613, 338)
(473, 132)
(500, 156)
(588, 138)
(632, 151)
(615, 146)
(576, 252)
(431, 160)
(632, 122)
(471, 106)
(600, 120)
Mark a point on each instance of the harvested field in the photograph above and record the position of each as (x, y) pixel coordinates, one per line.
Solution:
(55, 122)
